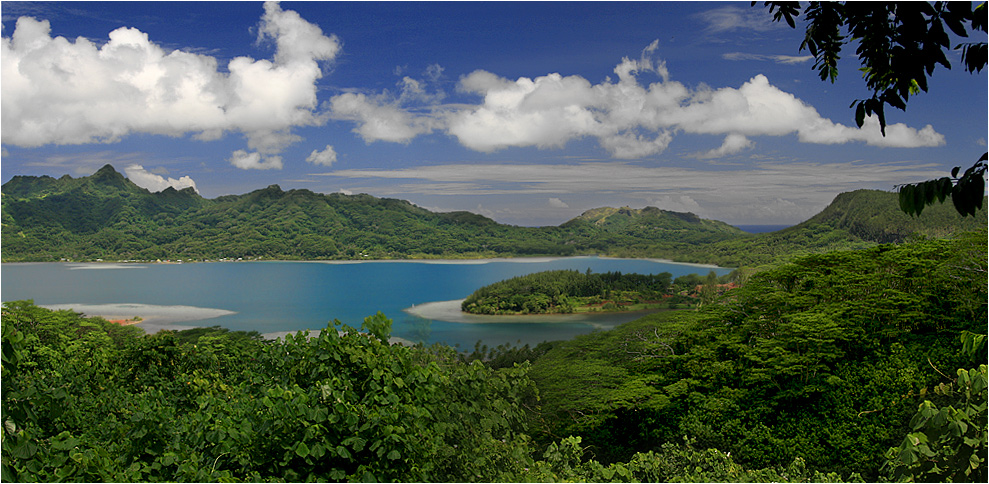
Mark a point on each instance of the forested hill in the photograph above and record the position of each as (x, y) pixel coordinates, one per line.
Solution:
(105, 216)
(875, 215)
(854, 220)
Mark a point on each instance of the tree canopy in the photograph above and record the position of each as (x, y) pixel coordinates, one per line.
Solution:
(900, 45)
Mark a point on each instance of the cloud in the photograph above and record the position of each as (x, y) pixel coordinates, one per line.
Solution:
(733, 144)
(898, 135)
(557, 203)
(255, 161)
(628, 176)
(633, 121)
(767, 192)
(379, 120)
(156, 183)
(779, 59)
(326, 157)
(730, 18)
(391, 117)
(628, 118)
(60, 91)
(676, 203)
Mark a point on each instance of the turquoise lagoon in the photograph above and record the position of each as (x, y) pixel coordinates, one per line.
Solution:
(277, 297)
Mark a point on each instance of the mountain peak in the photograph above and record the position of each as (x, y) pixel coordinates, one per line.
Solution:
(106, 170)
(108, 175)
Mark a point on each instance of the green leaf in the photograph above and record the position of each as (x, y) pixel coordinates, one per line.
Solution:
(930, 191)
(919, 198)
(25, 449)
(302, 449)
(343, 452)
(944, 189)
(906, 199)
(393, 455)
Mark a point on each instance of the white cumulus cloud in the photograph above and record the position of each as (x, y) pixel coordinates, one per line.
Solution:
(379, 120)
(156, 183)
(557, 203)
(255, 161)
(61, 91)
(326, 157)
(733, 143)
(628, 118)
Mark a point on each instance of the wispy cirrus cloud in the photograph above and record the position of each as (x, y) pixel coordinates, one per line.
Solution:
(742, 194)
(779, 59)
(731, 17)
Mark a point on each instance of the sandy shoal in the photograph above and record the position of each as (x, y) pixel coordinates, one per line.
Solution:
(154, 318)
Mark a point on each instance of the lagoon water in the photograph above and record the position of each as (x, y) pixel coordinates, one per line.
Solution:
(276, 297)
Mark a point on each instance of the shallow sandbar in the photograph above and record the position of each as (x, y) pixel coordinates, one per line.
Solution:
(155, 318)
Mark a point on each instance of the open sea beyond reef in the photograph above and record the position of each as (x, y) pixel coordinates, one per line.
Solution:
(760, 229)
(277, 297)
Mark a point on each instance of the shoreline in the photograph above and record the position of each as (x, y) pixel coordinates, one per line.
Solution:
(135, 264)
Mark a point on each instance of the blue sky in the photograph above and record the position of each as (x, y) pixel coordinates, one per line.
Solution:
(529, 113)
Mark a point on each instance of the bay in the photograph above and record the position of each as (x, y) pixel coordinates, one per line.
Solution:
(274, 297)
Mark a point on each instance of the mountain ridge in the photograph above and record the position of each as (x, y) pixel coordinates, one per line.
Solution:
(106, 216)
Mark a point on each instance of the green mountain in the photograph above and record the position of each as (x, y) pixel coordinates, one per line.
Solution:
(854, 220)
(875, 216)
(105, 216)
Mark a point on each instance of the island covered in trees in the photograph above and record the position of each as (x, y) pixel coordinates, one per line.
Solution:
(572, 291)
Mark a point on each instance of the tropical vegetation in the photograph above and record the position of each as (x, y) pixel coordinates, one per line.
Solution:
(851, 365)
(568, 291)
(824, 358)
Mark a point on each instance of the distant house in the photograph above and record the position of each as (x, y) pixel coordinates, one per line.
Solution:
(719, 288)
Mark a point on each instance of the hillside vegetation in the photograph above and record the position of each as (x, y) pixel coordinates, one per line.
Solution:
(105, 216)
(823, 358)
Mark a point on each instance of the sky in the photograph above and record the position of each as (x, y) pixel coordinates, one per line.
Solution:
(528, 113)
